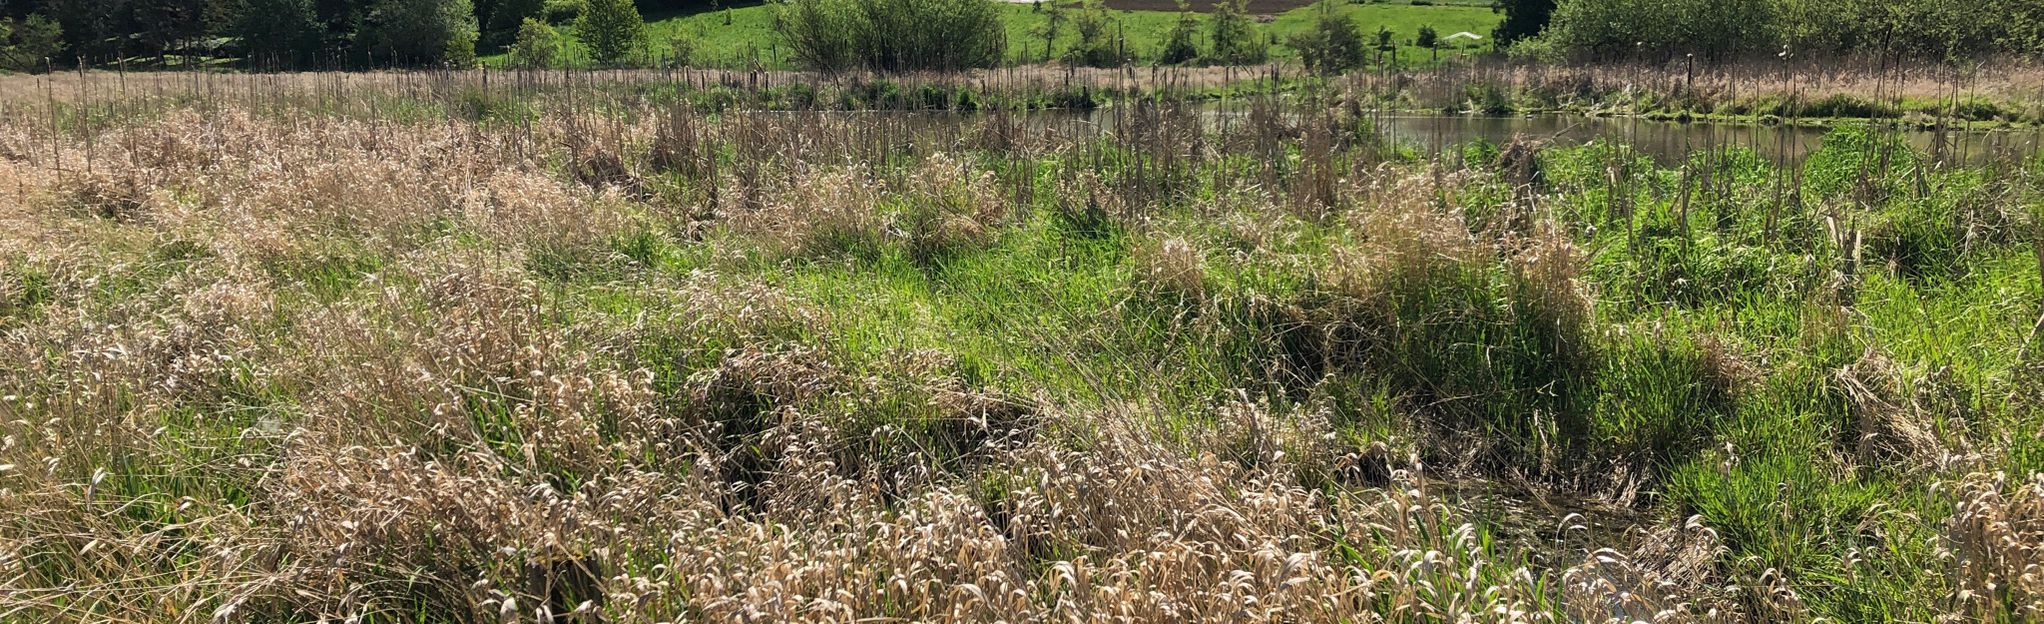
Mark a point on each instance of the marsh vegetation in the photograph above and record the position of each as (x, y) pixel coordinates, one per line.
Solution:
(401, 348)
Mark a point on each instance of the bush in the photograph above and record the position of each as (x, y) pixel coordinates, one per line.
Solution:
(537, 46)
(1180, 46)
(683, 49)
(507, 21)
(612, 29)
(1096, 47)
(1334, 45)
(893, 35)
(1234, 39)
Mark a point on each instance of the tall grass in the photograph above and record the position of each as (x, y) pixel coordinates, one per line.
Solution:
(615, 355)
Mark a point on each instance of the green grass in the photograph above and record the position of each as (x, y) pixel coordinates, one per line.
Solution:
(733, 37)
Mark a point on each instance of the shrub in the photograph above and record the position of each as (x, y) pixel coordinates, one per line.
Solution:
(1523, 20)
(1334, 45)
(461, 49)
(537, 46)
(612, 29)
(1234, 38)
(893, 35)
(1096, 46)
(507, 20)
(1180, 46)
(1427, 38)
(682, 50)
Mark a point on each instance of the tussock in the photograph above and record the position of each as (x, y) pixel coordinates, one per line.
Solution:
(1890, 423)
(1995, 540)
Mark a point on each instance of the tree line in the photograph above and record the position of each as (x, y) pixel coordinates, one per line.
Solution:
(285, 34)
(894, 35)
(1727, 29)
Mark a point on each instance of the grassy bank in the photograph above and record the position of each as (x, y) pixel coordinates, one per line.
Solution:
(635, 359)
(738, 36)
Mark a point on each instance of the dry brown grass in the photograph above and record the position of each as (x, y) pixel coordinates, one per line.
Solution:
(1996, 538)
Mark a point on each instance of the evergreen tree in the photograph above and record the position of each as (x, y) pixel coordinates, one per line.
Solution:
(276, 33)
(612, 29)
(1181, 46)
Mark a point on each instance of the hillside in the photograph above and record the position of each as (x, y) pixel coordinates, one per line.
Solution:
(733, 37)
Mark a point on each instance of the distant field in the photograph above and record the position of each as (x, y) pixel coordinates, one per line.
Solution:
(1260, 7)
(1255, 6)
(734, 36)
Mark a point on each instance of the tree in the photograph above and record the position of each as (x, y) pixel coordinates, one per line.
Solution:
(2025, 32)
(420, 32)
(1386, 44)
(92, 28)
(1665, 28)
(536, 46)
(507, 21)
(1233, 37)
(27, 45)
(276, 33)
(163, 25)
(819, 34)
(461, 47)
(1523, 20)
(1053, 25)
(340, 22)
(1430, 39)
(1095, 47)
(894, 35)
(1181, 46)
(612, 29)
(1334, 45)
